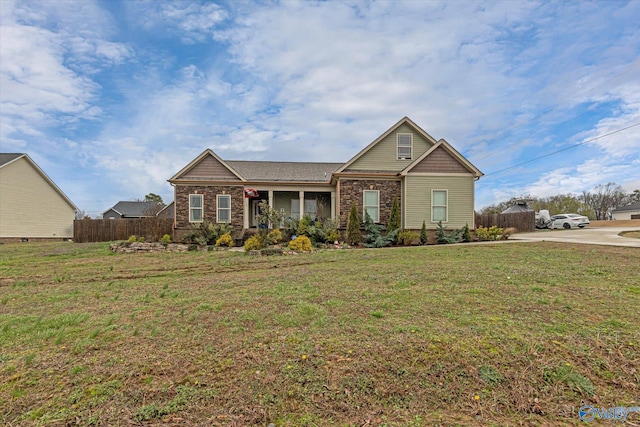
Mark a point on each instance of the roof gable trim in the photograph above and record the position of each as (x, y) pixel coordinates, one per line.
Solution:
(194, 162)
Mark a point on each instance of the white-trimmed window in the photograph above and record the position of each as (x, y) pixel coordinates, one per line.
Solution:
(439, 209)
(405, 146)
(196, 203)
(223, 202)
(371, 204)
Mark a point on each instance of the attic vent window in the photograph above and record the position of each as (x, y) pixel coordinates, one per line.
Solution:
(405, 146)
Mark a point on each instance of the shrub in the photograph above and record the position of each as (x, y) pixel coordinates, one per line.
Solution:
(225, 240)
(141, 239)
(207, 233)
(443, 237)
(408, 237)
(132, 239)
(254, 243)
(423, 233)
(353, 227)
(165, 240)
(301, 244)
(304, 226)
(491, 233)
(290, 227)
(394, 216)
(373, 238)
(274, 237)
(466, 233)
(334, 236)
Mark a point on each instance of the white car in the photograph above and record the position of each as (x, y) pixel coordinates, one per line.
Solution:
(568, 221)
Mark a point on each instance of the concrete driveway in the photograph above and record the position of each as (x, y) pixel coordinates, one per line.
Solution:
(588, 235)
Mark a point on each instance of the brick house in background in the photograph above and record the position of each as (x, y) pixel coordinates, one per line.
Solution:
(432, 181)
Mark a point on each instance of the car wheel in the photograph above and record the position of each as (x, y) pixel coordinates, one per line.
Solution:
(566, 226)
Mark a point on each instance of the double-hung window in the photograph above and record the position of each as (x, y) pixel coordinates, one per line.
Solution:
(196, 203)
(371, 204)
(405, 146)
(223, 202)
(439, 209)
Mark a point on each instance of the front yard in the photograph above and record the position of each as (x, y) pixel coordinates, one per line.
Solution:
(504, 334)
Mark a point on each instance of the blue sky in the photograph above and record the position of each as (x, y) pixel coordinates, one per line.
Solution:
(111, 98)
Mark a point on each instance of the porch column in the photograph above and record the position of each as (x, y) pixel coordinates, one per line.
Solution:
(270, 205)
(333, 205)
(301, 197)
(246, 213)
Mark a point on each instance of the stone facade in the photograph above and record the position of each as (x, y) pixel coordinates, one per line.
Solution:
(209, 201)
(351, 193)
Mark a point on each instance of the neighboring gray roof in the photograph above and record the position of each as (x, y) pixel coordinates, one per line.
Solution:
(631, 207)
(8, 157)
(519, 206)
(132, 209)
(284, 171)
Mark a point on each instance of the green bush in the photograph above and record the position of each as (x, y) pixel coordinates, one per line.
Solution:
(466, 233)
(423, 234)
(443, 237)
(301, 244)
(394, 216)
(132, 239)
(334, 236)
(166, 239)
(207, 233)
(254, 243)
(408, 237)
(491, 233)
(225, 240)
(274, 237)
(304, 226)
(374, 238)
(353, 227)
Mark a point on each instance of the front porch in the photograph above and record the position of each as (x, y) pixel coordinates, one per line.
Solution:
(292, 204)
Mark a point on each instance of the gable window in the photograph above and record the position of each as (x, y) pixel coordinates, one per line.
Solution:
(405, 146)
(371, 204)
(439, 210)
(196, 203)
(223, 202)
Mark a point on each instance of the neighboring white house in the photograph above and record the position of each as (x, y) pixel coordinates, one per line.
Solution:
(625, 212)
(31, 204)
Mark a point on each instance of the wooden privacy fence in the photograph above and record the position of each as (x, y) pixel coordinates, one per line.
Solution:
(521, 221)
(106, 230)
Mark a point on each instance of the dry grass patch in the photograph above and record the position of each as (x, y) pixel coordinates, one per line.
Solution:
(507, 334)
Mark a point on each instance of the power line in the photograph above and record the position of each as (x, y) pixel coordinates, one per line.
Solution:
(563, 149)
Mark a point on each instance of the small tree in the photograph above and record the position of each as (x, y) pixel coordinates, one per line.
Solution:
(394, 216)
(353, 227)
(153, 197)
(373, 238)
(423, 234)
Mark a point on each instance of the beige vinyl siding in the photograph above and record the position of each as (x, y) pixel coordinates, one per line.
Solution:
(209, 167)
(30, 207)
(384, 155)
(417, 201)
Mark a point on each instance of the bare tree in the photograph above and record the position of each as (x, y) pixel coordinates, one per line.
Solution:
(604, 198)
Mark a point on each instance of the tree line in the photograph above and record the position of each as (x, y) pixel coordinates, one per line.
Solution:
(596, 204)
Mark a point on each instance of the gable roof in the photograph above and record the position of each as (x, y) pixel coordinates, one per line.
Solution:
(203, 156)
(444, 145)
(8, 158)
(404, 120)
(132, 209)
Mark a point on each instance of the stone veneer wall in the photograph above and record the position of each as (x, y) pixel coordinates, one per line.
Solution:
(351, 192)
(209, 201)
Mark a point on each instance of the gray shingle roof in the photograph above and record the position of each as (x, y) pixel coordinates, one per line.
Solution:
(132, 209)
(284, 171)
(631, 207)
(7, 157)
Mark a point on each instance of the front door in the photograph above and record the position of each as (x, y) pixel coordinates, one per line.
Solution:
(255, 211)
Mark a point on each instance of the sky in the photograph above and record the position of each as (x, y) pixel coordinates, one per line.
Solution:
(112, 98)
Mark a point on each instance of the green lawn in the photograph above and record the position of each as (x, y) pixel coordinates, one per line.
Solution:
(500, 334)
